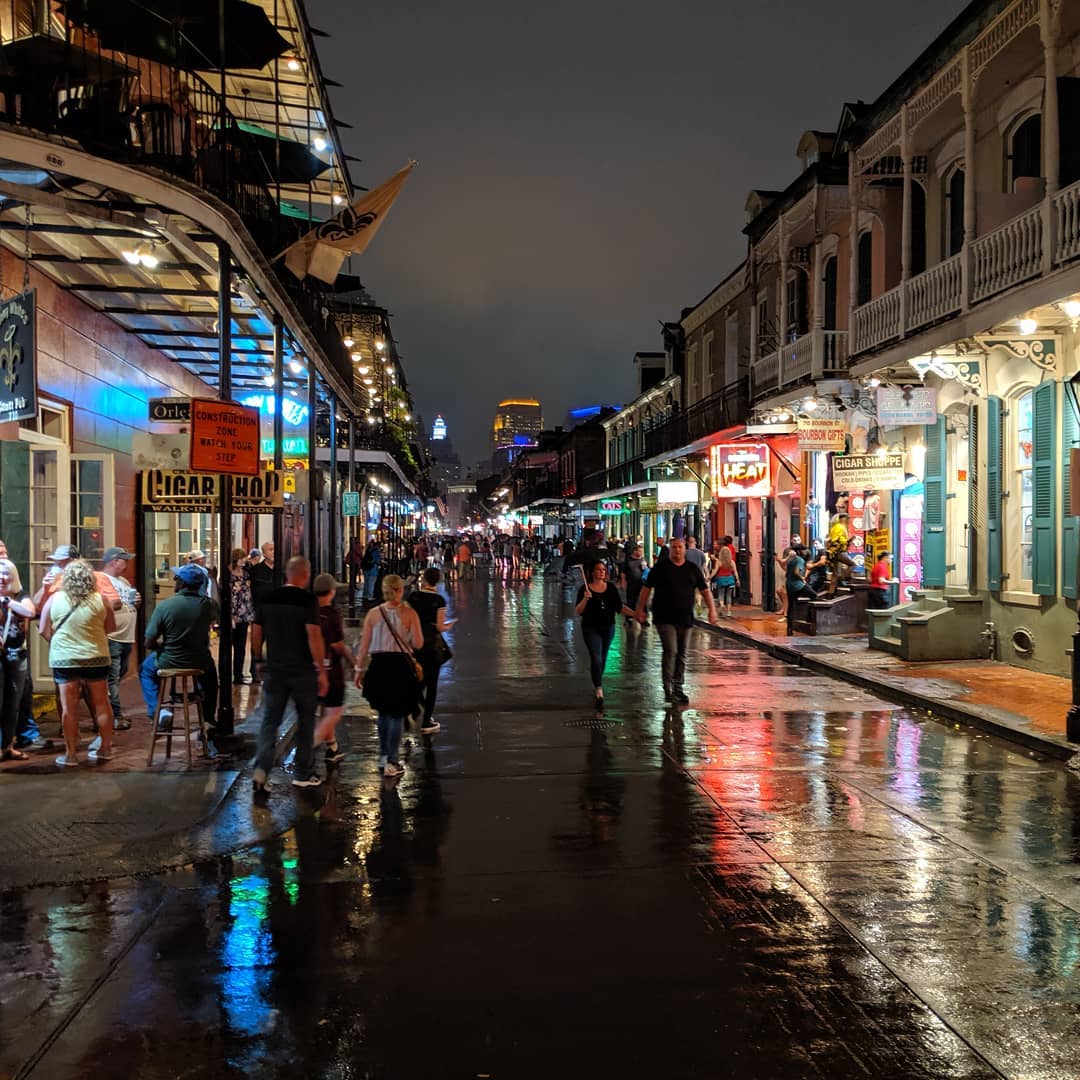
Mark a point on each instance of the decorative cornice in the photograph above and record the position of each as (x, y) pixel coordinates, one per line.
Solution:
(1041, 351)
(718, 299)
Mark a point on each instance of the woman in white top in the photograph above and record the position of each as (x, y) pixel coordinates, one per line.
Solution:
(391, 633)
(77, 622)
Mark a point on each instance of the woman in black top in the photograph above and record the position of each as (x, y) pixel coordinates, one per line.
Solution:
(599, 605)
(16, 608)
(431, 607)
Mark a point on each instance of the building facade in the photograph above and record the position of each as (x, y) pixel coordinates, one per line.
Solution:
(516, 427)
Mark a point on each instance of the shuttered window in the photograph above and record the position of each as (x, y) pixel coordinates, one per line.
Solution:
(934, 509)
(974, 498)
(1070, 525)
(1043, 503)
(993, 493)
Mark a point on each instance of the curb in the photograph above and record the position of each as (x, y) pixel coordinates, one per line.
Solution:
(952, 711)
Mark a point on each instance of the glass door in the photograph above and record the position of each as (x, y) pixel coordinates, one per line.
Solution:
(49, 526)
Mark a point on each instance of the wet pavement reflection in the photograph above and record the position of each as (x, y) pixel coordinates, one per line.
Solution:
(789, 877)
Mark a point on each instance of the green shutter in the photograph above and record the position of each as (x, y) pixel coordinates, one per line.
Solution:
(1043, 502)
(993, 493)
(1070, 526)
(933, 552)
(974, 495)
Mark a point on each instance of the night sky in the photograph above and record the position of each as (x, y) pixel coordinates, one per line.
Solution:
(583, 169)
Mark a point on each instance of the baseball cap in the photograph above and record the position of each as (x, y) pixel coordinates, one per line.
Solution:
(189, 575)
(65, 551)
(324, 583)
(116, 553)
(254, 553)
(191, 556)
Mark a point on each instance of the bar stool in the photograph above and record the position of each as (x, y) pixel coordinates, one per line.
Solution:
(188, 695)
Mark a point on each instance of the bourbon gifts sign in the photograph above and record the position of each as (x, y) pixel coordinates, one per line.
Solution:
(18, 358)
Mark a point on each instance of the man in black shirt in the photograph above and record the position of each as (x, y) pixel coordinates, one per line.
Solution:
(288, 621)
(674, 581)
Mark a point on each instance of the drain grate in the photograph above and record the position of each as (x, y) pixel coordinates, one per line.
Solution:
(592, 723)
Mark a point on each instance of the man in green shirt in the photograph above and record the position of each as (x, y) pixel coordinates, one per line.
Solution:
(178, 636)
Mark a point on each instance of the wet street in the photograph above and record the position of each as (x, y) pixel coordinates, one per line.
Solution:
(788, 878)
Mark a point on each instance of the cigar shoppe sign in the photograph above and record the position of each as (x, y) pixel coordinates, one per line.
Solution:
(740, 471)
(168, 491)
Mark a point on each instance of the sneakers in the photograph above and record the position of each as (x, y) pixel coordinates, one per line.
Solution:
(68, 761)
(306, 781)
(95, 744)
(429, 727)
(259, 782)
(381, 762)
(679, 698)
(392, 770)
(121, 723)
(100, 755)
(165, 720)
(334, 754)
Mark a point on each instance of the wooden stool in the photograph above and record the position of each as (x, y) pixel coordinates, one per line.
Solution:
(188, 695)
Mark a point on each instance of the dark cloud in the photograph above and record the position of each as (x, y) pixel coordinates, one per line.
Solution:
(582, 172)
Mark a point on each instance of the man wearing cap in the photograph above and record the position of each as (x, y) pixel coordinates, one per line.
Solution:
(210, 585)
(122, 639)
(51, 583)
(178, 636)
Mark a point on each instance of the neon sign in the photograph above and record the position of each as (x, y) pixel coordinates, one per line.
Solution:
(292, 412)
(740, 471)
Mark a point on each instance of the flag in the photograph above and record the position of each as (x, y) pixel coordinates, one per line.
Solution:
(322, 251)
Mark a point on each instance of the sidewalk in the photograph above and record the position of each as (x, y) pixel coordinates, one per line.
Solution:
(1026, 707)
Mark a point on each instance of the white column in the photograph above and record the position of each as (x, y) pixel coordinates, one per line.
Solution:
(1048, 30)
(905, 218)
(818, 300)
(967, 91)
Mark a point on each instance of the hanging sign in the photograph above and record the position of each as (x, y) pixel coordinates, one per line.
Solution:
(290, 447)
(868, 472)
(350, 504)
(740, 471)
(646, 504)
(611, 506)
(676, 494)
(821, 434)
(18, 358)
(169, 491)
(224, 438)
(899, 406)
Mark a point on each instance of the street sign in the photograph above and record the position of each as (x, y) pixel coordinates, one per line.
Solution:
(224, 438)
(170, 410)
(350, 504)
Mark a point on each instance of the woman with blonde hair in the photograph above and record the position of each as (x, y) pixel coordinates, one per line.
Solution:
(77, 622)
(726, 576)
(391, 683)
(16, 609)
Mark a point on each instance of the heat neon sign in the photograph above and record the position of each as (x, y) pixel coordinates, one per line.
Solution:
(740, 471)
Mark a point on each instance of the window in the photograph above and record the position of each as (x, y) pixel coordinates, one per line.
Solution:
(1020, 530)
(766, 342)
(954, 210)
(830, 293)
(711, 376)
(866, 268)
(731, 350)
(798, 314)
(1024, 150)
(694, 373)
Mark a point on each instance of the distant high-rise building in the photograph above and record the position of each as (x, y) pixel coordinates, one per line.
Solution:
(438, 429)
(445, 463)
(517, 426)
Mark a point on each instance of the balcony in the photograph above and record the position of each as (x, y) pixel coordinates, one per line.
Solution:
(819, 354)
(614, 477)
(1029, 245)
(718, 411)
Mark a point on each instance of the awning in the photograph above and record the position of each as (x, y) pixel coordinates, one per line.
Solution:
(630, 489)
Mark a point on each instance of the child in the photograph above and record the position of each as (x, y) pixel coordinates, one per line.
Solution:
(333, 632)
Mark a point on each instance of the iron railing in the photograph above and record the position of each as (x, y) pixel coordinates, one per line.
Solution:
(718, 411)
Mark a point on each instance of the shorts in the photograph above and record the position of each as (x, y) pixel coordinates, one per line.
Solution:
(335, 697)
(62, 675)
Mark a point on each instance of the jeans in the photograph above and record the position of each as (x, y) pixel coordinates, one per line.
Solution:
(239, 650)
(430, 688)
(278, 688)
(802, 591)
(370, 577)
(12, 684)
(207, 683)
(673, 641)
(598, 642)
(390, 736)
(26, 729)
(119, 655)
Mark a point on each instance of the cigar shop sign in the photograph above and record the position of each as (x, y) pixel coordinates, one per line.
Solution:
(18, 359)
(166, 491)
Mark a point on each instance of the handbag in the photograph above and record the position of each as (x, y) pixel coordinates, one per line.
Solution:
(417, 670)
(443, 652)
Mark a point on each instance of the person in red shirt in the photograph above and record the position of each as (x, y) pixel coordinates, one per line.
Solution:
(879, 582)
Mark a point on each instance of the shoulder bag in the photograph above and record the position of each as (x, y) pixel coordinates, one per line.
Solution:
(417, 670)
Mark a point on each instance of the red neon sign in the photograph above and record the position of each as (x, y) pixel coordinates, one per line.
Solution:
(740, 471)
